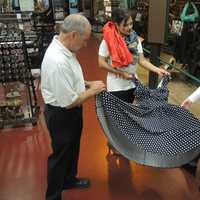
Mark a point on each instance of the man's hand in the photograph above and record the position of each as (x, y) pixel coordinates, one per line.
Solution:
(186, 103)
(92, 88)
(96, 86)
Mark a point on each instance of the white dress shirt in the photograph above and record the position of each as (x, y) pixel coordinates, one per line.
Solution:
(61, 76)
(115, 83)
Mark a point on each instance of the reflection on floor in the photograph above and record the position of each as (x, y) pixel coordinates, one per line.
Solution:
(24, 151)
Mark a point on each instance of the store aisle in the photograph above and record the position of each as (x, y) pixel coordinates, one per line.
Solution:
(23, 154)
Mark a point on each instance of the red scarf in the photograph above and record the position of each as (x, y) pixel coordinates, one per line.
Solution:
(117, 47)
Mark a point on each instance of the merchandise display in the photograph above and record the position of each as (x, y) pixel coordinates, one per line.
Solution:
(15, 70)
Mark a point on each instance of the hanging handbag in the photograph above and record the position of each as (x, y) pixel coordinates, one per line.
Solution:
(190, 13)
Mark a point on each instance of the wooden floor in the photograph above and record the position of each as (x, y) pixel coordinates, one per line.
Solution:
(24, 151)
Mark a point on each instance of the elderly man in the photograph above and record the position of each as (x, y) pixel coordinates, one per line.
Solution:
(63, 90)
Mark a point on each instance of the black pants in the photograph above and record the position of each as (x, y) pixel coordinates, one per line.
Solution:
(65, 128)
(125, 95)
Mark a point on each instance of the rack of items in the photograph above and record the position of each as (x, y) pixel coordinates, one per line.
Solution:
(37, 23)
(43, 26)
(18, 101)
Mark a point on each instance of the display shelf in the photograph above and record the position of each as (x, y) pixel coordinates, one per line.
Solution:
(17, 106)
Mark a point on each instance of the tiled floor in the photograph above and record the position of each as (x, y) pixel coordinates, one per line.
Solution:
(24, 151)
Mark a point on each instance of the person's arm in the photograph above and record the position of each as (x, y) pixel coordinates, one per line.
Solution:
(149, 66)
(64, 88)
(195, 96)
(94, 88)
(119, 73)
(104, 64)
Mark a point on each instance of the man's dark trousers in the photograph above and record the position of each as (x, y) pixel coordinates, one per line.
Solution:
(65, 126)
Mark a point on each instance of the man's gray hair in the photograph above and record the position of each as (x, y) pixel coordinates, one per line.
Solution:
(75, 22)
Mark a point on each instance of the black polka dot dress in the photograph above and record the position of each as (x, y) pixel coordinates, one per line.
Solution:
(151, 131)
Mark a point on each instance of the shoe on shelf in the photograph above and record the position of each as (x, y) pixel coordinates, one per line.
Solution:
(77, 183)
(13, 94)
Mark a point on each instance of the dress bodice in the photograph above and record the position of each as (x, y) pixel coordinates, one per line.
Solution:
(150, 98)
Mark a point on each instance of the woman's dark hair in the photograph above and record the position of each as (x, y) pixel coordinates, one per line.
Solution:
(119, 15)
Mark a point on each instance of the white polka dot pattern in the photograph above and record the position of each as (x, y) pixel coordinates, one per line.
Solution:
(151, 126)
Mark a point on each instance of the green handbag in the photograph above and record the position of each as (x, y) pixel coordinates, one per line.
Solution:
(190, 13)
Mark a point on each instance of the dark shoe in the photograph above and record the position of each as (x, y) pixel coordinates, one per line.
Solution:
(79, 183)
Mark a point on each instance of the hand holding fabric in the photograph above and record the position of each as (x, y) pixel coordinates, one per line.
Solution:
(96, 86)
(162, 72)
(186, 103)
